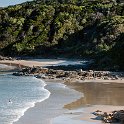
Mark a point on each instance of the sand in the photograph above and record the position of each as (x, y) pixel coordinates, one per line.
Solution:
(63, 107)
(83, 115)
(41, 62)
(30, 63)
(44, 112)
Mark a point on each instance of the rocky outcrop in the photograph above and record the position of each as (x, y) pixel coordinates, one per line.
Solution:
(66, 75)
(111, 117)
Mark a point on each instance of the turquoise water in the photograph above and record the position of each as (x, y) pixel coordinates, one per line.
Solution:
(17, 94)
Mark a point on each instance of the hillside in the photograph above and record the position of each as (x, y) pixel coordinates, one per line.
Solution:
(89, 29)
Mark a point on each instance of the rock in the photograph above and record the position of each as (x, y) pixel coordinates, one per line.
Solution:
(35, 70)
(116, 77)
(80, 70)
(119, 115)
(26, 70)
(115, 116)
(97, 113)
(45, 77)
(44, 70)
(6, 58)
(51, 71)
(10, 58)
(75, 75)
(18, 74)
(106, 78)
(38, 76)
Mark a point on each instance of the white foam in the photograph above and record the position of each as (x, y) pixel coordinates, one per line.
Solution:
(30, 105)
(21, 100)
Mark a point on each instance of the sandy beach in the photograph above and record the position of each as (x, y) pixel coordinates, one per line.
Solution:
(29, 63)
(46, 111)
(40, 62)
(71, 105)
(74, 102)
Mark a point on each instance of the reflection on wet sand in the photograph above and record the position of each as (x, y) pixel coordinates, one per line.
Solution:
(98, 94)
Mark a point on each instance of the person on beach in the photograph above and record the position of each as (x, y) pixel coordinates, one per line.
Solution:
(19, 66)
(10, 101)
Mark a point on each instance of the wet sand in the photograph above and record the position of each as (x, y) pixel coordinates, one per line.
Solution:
(102, 96)
(99, 93)
(46, 111)
(69, 106)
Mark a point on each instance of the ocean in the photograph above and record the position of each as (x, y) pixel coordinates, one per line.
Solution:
(17, 94)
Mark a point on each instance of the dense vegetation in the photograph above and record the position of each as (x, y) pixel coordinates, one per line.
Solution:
(88, 28)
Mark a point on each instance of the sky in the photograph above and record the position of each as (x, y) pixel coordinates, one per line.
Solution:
(5, 3)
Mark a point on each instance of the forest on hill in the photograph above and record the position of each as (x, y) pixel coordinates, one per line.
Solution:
(68, 28)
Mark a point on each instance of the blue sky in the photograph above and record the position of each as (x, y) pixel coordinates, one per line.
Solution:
(4, 3)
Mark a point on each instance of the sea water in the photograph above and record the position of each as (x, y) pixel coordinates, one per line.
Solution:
(17, 94)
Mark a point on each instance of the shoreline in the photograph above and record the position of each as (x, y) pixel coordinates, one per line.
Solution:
(67, 111)
(34, 104)
(117, 77)
(77, 82)
(44, 112)
(34, 62)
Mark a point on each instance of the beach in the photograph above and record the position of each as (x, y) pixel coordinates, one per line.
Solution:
(44, 112)
(73, 102)
(62, 107)
(62, 61)
(40, 62)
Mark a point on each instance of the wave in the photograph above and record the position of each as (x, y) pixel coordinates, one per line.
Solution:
(25, 92)
(31, 105)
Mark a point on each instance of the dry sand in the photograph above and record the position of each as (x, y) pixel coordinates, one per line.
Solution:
(61, 108)
(42, 62)
(84, 115)
(31, 63)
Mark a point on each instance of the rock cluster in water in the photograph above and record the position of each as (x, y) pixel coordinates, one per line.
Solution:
(111, 117)
(46, 73)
